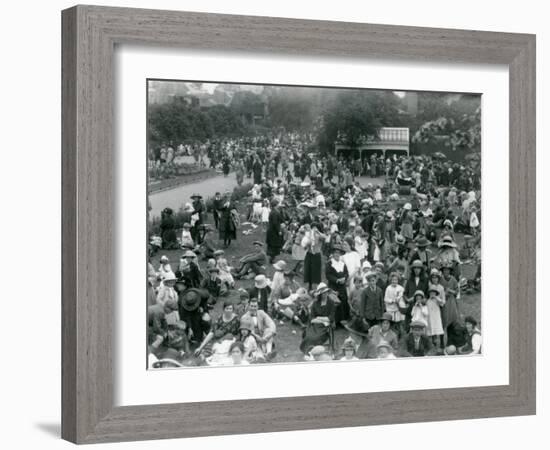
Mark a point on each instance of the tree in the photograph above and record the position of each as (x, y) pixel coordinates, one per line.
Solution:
(356, 115)
(463, 132)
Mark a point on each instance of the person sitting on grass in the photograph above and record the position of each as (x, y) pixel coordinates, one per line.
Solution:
(166, 290)
(213, 284)
(252, 352)
(223, 329)
(290, 300)
(186, 239)
(225, 270)
(208, 246)
(262, 292)
(264, 328)
(253, 263)
(176, 337)
(473, 339)
(382, 333)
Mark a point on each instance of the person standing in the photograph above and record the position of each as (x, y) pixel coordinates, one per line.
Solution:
(227, 225)
(197, 218)
(313, 243)
(372, 300)
(217, 205)
(274, 235)
(337, 276)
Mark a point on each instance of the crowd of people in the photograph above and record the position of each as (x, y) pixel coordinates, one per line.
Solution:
(383, 262)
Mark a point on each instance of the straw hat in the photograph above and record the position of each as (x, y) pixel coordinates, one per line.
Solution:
(170, 276)
(417, 263)
(280, 266)
(321, 289)
(260, 282)
(447, 241)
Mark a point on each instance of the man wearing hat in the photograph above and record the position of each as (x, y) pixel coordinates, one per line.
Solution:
(261, 291)
(253, 262)
(416, 343)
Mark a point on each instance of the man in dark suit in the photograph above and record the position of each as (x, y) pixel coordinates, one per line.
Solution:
(372, 305)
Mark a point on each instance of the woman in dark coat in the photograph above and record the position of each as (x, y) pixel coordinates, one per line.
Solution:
(337, 277)
(168, 229)
(228, 229)
(274, 235)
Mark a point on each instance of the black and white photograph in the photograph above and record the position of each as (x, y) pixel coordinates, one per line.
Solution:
(299, 224)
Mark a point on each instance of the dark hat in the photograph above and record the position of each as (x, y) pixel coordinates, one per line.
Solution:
(386, 316)
(338, 248)
(447, 241)
(195, 195)
(418, 324)
(190, 300)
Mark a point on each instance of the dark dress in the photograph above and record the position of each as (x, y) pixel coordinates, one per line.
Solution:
(168, 232)
(220, 329)
(342, 310)
(227, 228)
(316, 333)
(274, 238)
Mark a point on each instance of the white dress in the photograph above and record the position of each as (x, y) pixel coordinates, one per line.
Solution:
(435, 324)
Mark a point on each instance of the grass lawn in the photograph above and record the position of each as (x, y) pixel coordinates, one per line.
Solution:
(289, 335)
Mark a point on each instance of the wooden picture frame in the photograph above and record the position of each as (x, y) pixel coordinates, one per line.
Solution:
(90, 34)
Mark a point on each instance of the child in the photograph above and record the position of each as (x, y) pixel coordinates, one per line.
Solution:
(434, 327)
(164, 267)
(393, 298)
(298, 251)
(252, 352)
(186, 239)
(419, 312)
(224, 269)
(349, 349)
(361, 245)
